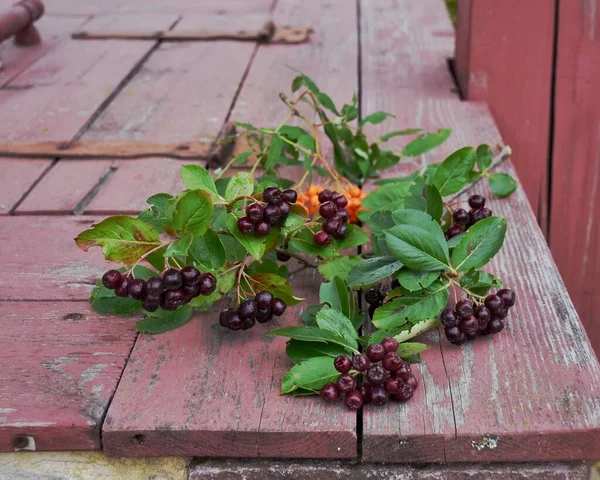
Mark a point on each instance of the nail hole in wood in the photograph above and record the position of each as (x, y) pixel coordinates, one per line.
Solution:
(73, 316)
(139, 439)
(20, 441)
(183, 147)
(63, 146)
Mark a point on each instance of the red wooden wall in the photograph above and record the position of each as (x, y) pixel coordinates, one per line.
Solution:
(537, 64)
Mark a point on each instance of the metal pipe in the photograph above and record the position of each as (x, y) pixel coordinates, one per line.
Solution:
(18, 21)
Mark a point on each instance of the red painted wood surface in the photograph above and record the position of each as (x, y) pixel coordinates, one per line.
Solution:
(59, 366)
(533, 388)
(242, 414)
(504, 55)
(574, 225)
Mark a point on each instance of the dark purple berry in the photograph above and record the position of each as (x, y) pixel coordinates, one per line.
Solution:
(486, 212)
(282, 256)
(483, 315)
(271, 195)
(476, 215)
(376, 374)
(453, 231)
(403, 370)
(321, 239)
(412, 381)
(137, 289)
(366, 390)
(245, 225)
(289, 195)
(284, 209)
(502, 312)
(331, 226)
(393, 384)
(342, 232)
(346, 382)
(151, 304)
(379, 396)
(464, 309)
(262, 229)
(404, 395)
(461, 216)
(235, 322)
(494, 303)
(154, 286)
(340, 201)
(172, 279)
(390, 344)
(272, 214)
(353, 400)
(342, 215)
(248, 323)
(469, 325)
(342, 364)
(122, 289)
(111, 279)
(264, 299)
(373, 296)
(327, 210)
(392, 361)
(264, 315)
(376, 352)
(224, 317)
(330, 392)
(208, 284)
(175, 297)
(448, 317)
(247, 309)
(453, 333)
(278, 306)
(360, 362)
(476, 201)
(190, 276)
(254, 212)
(325, 196)
(461, 340)
(507, 296)
(495, 325)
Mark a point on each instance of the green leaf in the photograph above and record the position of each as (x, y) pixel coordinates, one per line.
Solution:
(372, 270)
(412, 306)
(106, 302)
(204, 303)
(196, 177)
(396, 133)
(242, 157)
(338, 267)
(408, 349)
(433, 199)
(479, 244)
(208, 250)
(156, 215)
(335, 321)
(400, 194)
(312, 374)
(336, 295)
(417, 218)
(452, 174)
(193, 213)
(241, 184)
(298, 351)
(255, 246)
(479, 282)
(180, 247)
(484, 157)
(275, 284)
(377, 221)
(274, 152)
(502, 184)
(417, 248)
(414, 280)
(163, 321)
(267, 265)
(309, 316)
(417, 329)
(315, 334)
(426, 142)
(123, 239)
(303, 241)
(374, 118)
(356, 237)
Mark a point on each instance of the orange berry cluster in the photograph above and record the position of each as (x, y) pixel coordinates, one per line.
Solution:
(310, 200)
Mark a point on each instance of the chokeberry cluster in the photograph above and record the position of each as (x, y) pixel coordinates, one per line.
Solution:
(374, 298)
(383, 374)
(259, 309)
(333, 210)
(259, 219)
(466, 320)
(463, 219)
(175, 288)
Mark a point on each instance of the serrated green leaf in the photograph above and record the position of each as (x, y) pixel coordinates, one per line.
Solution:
(208, 250)
(336, 295)
(479, 282)
(196, 177)
(255, 246)
(312, 374)
(434, 202)
(417, 329)
(502, 184)
(163, 321)
(241, 184)
(396, 133)
(413, 280)
(372, 270)
(123, 239)
(479, 244)
(452, 174)
(193, 213)
(356, 237)
(274, 152)
(426, 142)
(336, 321)
(303, 241)
(275, 284)
(156, 215)
(377, 222)
(106, 302)
(309, 315)
(315, 334)
(374, 118)
(298, 351)
(484, 157)
(338, 267)
(180, 247)
(408, 349)
(400, 194)
(417, 248)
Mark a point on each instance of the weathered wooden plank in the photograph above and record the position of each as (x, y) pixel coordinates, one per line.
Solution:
(517, 87)
(59, 366)
(574, 226)
(40, 260)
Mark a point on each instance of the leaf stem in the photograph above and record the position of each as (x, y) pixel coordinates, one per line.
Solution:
(145, 255)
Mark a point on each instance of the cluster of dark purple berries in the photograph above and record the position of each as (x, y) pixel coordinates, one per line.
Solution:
(259, 309)
(465, 321)
(333, 210)
(463, 219)
(175, 288)
(384, 375)
(374, 298)
(259, 219)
